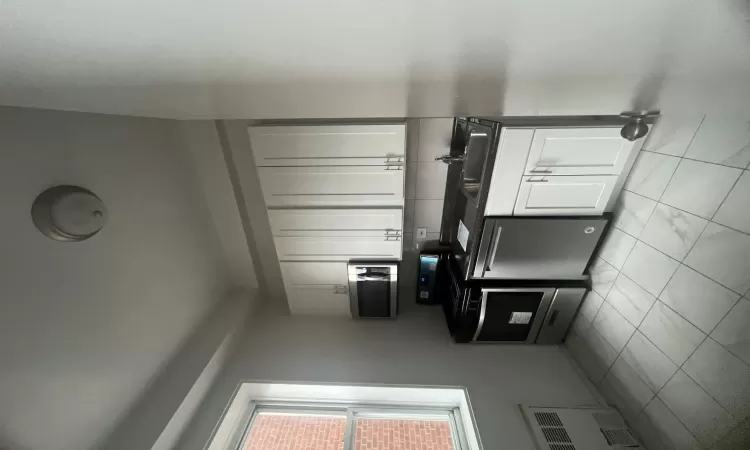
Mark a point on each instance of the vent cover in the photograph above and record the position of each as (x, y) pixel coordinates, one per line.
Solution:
(556, 434)
(619, 436)
(578, 428)
(547, 419)
(608, 420)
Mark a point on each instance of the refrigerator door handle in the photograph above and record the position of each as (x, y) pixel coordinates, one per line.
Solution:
(495, 244)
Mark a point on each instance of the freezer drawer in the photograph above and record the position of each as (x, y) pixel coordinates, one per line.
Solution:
(560, 315)
(537, 247)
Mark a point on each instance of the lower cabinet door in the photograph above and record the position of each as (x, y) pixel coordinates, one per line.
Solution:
(561, 195)
(317, 287)
(337, 248)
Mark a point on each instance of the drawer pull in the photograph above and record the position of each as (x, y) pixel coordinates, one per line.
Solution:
(531, 180)
(540, 171)
(393, 238)
(340, 289)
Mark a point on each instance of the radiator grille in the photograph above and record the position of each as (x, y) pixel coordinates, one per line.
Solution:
(556, 434)
(547, 419)
(619, 436)
(562, 447)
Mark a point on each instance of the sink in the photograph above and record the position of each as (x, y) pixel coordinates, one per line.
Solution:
(475, 157)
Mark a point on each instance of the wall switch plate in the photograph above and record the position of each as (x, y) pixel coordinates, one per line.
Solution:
(421, 234)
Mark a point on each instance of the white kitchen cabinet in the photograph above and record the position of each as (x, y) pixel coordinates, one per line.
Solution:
(336, 222)
(579, 151)
(559, 171)
(318, 300)
(317, 287)
(308, 273)
(337, 248)
(564, 195)
(336, 185)
(323, 145)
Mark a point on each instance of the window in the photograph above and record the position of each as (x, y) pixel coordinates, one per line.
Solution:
(329, 417)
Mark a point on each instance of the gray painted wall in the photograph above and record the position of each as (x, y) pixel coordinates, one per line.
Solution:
(84, 327)
(414, 349)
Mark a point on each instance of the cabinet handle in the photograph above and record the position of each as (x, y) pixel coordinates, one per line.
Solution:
(393, 167)
(447, 159)
(395, 232)
(392, 238)
(540, 171)
(531, 180)
(339, 289)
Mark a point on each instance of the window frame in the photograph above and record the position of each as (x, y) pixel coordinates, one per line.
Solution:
(450, 404)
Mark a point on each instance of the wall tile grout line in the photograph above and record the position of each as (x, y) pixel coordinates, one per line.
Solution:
(682, 263)
(682, 210)
(701, 387)
(670, 409)
(671, 177)
(680, 367)
(694, 159)
(726, 197)
(632, 392)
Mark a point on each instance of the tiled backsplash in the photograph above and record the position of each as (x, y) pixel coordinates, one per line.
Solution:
(425, 178)
(665, 334)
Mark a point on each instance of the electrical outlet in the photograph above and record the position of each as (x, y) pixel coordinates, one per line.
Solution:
(421, 234)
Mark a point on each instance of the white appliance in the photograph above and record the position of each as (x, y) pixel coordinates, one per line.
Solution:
(578, 429)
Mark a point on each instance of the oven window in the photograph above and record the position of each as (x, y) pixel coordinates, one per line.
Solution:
(509, 316)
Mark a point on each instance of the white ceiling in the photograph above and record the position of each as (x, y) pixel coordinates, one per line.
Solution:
(327, 58)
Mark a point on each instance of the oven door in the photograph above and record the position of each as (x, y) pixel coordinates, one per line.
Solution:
(373, 290)
(512, 315)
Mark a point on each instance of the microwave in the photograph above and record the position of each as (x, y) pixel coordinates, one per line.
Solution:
(373, 289)
(510, 311)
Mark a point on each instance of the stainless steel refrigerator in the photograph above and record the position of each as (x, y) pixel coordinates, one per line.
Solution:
(513, 247)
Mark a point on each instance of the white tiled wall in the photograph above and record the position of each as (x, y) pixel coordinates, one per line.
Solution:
(665, 334)
(425, 178)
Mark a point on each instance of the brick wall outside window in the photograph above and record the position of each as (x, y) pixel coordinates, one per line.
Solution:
(388, 434)
(279, 432)
(297, 432)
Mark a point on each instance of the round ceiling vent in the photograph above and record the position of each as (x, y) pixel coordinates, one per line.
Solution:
(68, 213)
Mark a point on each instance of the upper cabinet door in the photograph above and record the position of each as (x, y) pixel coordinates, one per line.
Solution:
(336, 185)
(337, 248)
(336, 222)
(579, 151)
(326, 145)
